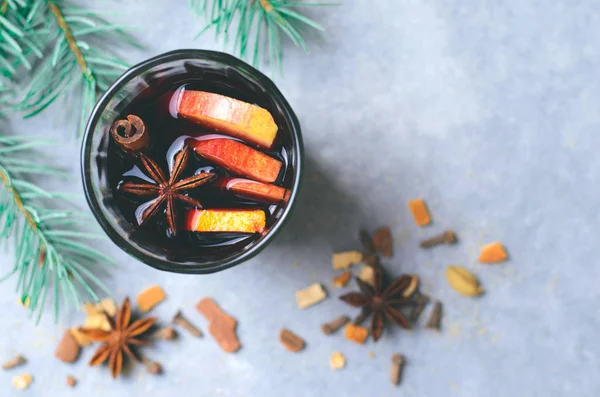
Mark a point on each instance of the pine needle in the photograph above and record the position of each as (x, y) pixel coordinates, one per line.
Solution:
(259, 21)
(76, 42)
(52, 255)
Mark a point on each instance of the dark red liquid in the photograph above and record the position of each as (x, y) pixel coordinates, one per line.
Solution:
(168, 135)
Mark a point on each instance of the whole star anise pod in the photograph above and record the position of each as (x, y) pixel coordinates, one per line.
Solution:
(166, 190)
(119, 339)
(379, 301)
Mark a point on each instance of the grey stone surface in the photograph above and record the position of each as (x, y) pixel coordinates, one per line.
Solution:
(489, 110)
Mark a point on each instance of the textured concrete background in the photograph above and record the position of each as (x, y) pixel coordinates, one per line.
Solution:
(489, 110)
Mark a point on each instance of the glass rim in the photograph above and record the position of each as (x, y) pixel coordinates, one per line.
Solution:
(97, 207)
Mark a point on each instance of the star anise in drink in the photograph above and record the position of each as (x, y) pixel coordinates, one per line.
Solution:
(381, 302)
(119, 339)
(166, 190)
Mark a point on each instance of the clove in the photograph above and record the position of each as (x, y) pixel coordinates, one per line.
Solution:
(152, 366)
(397, 366)
(14, 362)
(421, 300)
(180, 319)
(166, 333)
(435, 318)
(332, 326)
(448, 237)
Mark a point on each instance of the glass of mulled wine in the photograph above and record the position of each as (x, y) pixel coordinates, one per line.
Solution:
(191, 161)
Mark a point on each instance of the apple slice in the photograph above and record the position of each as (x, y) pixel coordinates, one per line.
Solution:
(237, 158)
(242, 120)
(225, 220)
(253, 190)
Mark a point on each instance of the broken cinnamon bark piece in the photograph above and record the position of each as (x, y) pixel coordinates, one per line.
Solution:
(240, 119)
(237, 158)
(291, 341)
(222, 325)
(225, 220)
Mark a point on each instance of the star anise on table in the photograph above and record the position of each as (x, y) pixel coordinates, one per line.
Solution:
(119, 339)
(166, 190)
(380, 301)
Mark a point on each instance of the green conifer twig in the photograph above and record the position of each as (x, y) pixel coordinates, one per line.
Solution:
(50, 253)
(260, 23)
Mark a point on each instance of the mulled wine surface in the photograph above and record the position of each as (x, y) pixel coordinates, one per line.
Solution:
(219, 191)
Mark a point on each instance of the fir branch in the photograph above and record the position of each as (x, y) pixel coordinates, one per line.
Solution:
(75, 41)
(51, 257)
(260, 26)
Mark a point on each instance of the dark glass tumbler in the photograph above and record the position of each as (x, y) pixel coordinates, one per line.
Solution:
(215, 69)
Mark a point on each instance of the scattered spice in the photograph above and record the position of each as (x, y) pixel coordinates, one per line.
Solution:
(356, 333)
(412, 287)
(152, 367)
(166, 333)
(463, 281)
(380, 301)
(166, 190)
(222, 325)
(80, 337)
(332, 326)
(448, 237)
(22, 382)
(14, 362)
(493, 253)
(341, 280)
(150, 297)
(421, 300)
(383, 242)
(71, 381)
(337, 360)
(366, 241)
(397, 366)
(367, 274)
(371, 355)
(130, 134)
(343, 260)
(122, 336)
(68, 349)
(97, 321)
(419, 211)
(108, 306)
(182, 321)
(291, 341)
(310, 295)
(435, 318)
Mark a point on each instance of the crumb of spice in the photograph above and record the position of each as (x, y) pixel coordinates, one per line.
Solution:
(371, 355)
(341, 280)
(493, 253)
(81, 338)
(166, 333)
(68, 348)
(343, 260)
(396, 370)
(332, 326)
(419, 211)
(22, 382)
(337, 360)
(310, 295)
(14, 362)
(150, 297)
(71, 381)
(291, 341)
(356, 333)
(367, 274)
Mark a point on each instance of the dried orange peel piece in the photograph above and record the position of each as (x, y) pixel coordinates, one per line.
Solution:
(419, 211)
(493, 253)
(223, 220)
(356, 333)
(234, 117)
(150, 297)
